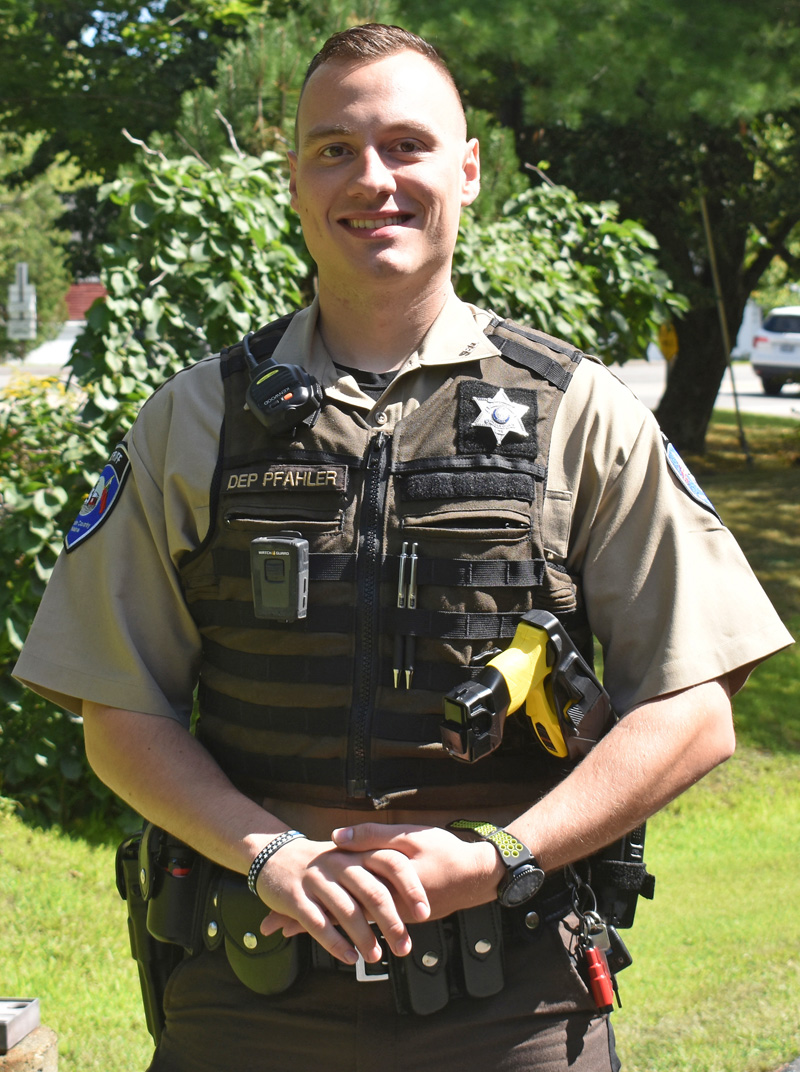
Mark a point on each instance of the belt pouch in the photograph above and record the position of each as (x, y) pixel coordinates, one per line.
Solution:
(480, 939)
(266, 965)
(419, 980)
(173, 879)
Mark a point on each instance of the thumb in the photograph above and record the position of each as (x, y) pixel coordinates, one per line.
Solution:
(362, 836)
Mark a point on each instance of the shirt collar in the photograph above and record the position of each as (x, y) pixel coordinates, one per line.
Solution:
(457, 335)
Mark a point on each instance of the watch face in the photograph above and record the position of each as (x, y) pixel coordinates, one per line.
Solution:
(522, 884)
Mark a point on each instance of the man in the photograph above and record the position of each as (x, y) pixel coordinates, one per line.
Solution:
(317, 766)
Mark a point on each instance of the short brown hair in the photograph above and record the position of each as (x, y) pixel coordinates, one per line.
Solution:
(376, 40)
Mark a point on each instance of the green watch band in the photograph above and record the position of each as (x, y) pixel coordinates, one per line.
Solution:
(524, 877)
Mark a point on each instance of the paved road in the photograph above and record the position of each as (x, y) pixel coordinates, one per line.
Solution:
(48, 359)
(647, 380)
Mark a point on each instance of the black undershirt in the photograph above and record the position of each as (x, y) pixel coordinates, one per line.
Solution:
(371, 383)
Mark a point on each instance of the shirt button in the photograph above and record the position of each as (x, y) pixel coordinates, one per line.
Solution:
(380, 418)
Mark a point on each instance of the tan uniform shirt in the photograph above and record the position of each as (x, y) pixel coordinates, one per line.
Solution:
(669, 594)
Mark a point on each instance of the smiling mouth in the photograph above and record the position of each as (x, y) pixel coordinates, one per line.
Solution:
(375, 224)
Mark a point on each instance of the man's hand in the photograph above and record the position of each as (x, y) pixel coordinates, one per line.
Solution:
(167, 776)
(312, 886)
(454, 873)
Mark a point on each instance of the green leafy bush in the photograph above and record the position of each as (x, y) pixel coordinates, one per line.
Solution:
(203, 256)
(570, 268)
(46, 458)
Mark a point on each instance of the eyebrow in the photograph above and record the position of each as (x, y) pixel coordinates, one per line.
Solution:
(337, 130)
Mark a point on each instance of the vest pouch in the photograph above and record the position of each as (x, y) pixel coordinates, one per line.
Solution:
(266, 965)
(469, 527)
(261, 524)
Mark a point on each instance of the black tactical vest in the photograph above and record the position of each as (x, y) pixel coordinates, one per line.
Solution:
(314, 710)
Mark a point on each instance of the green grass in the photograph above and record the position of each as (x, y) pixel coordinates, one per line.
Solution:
(716, 975)
(715, 983)
(65, 942)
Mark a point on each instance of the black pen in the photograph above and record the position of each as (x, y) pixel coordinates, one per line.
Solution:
(408, 662)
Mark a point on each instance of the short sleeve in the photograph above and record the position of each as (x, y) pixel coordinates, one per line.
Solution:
(113, 626)
(668, 592)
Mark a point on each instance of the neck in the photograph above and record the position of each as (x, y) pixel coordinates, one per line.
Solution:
(376, 333)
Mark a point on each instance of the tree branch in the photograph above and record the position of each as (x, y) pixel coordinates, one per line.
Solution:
(147, 149)
(231, 135)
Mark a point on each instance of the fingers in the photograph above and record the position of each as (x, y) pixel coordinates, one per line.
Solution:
(277, 921)
(366, 836)
(396, 869)
(335, 896)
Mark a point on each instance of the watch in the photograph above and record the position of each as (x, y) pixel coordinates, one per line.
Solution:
(524, 877)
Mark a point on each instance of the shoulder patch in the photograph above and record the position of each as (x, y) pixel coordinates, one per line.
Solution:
(686, 478)
(100, 501)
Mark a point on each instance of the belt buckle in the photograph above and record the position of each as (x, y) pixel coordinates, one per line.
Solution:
(373, 973)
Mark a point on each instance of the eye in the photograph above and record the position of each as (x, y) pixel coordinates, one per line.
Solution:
(408, 145)
(333, 152)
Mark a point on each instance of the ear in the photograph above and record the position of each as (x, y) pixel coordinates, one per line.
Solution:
(292, 158)
(472, 173)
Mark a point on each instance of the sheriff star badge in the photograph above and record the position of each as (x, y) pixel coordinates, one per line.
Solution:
(501, 415)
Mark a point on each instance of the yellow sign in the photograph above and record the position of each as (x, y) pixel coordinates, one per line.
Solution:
(668, 341)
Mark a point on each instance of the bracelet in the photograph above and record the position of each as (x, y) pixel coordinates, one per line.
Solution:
(257, 866)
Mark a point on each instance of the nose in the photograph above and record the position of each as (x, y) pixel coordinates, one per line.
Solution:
(370, 174)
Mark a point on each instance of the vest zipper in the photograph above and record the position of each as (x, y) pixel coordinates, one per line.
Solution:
(367, 652)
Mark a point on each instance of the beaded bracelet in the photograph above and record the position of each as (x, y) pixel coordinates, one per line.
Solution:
(257, 866)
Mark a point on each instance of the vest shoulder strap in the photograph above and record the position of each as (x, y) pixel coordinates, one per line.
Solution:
(263, 344)
(549, 357)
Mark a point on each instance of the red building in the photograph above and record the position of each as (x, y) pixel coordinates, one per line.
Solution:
(80, 296)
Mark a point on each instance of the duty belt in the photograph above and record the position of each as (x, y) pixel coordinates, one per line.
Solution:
(180, 904)
(461, 955)
(458, 956)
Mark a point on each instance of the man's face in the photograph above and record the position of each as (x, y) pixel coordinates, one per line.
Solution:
(381, 172)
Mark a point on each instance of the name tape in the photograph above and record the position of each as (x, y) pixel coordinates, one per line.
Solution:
(288, 478)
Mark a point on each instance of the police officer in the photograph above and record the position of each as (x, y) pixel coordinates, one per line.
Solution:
(315, 769)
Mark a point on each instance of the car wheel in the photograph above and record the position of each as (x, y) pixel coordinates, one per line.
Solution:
(772, 386)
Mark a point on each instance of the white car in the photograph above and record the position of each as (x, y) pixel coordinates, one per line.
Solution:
(776, 349)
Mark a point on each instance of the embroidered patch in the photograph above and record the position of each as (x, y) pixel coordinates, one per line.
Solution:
(496, 419)
(682, 472)
(287, 478)
(99, 502)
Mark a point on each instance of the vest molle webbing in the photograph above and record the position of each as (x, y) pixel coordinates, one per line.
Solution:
(315, 710)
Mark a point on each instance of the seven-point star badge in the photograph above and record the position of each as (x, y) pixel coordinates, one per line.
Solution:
(501, 415)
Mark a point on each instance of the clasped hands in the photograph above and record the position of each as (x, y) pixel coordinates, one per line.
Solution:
(389, 875)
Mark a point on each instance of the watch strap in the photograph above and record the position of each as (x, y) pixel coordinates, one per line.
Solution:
(523, 877)
(510, 849)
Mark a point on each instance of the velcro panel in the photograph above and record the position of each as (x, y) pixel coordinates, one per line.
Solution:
(468, 485)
